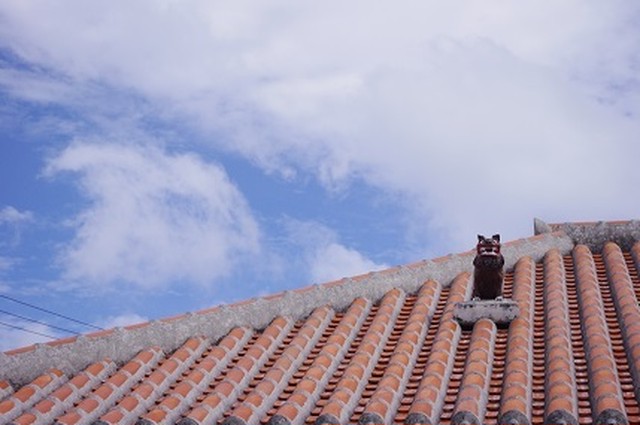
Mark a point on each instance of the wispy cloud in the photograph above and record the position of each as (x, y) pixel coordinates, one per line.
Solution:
(324, 256)
(5, 264)
(12, 224)
(471, 112)
(334, 261)
(10, 215)
(16, 333)
(152, 218)
(121, 320)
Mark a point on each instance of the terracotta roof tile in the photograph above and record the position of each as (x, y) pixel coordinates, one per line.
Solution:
(5, 390)
(65, 396)
(121, 344)
(30, 394)
(561, 393)
(571, 356)
(307, 391)
(606, 406)
(184, 393)
(517, 381)
(385, 400)
(342, 401)
(429, 398)
(129, 408)
(99, 400)
(211, 408)
(471, 403)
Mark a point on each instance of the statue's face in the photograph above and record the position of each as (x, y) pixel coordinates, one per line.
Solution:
(488, 246)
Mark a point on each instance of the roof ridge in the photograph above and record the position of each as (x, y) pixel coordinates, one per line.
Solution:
(594, 234)
(120, 344)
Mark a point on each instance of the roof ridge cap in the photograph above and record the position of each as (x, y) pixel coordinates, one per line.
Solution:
(595, 234)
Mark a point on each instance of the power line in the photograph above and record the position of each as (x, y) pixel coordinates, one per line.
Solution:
(51, 312)
(39, 322)
(26, 330)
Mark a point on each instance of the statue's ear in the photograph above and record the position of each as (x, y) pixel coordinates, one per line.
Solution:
(480, 238)
(496, 237)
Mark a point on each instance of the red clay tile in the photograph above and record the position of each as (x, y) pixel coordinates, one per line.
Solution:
(158, 381)
(26, 419)
(104, 392)
(434, 380)
(199, 414)
(7, 406)
(137, 326)
(155, 416)
(44, 407)
(71, 418)
(89, 405)
(238, 376)
(559, 404)
(5, 389)
(101, 334)
(600, 360)
(113, 417)
(24, 394)
(62, 341)
(472, 398)
(21, 350)
(573, 354)
(288, 411)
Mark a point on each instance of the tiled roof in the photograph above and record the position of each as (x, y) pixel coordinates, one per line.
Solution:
(382, 348)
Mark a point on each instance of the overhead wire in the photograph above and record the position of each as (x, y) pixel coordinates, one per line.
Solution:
(20, 328)
(50, 312)
(28, 319)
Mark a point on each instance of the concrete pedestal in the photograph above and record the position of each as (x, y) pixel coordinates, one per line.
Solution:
(500, 312)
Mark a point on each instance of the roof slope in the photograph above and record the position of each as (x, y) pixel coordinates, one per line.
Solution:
(380, 348)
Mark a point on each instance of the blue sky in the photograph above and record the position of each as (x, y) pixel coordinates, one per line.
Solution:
(159, 157)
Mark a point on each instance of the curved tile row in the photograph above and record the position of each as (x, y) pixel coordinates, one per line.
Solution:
(306, 392)
(130, 407)
(517, 385)
(560, 380)
(211, 408)
(178, 399)
(343, 400)
(64, 397)
(628, 310)
(30, 394)
(429, 399)
(635, 256)
(384, 402)
(604, 385)
(471, 403)
(115, 387)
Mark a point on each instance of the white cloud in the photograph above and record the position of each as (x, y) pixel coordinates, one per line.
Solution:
(153, 218)
(12, 222)
(324, 256)
(6, 263)
(22, 333)
(334, 261)
(481, 115)
(121, 320)
(10, 215)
